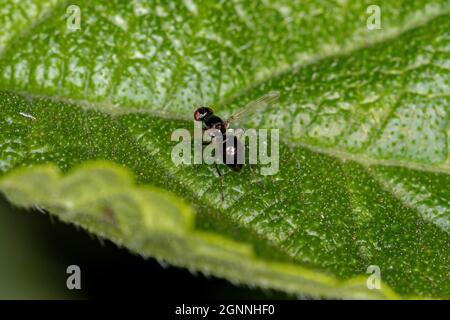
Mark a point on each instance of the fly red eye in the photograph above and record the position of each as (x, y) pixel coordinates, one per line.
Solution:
(201, 113)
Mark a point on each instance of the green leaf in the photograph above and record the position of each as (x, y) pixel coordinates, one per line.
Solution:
(364, 167)
(103, 198)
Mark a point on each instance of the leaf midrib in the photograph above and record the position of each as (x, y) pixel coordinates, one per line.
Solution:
(341, 154)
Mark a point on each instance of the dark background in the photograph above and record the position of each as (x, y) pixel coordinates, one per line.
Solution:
(36, 249)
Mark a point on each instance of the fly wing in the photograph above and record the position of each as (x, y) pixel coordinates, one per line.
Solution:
(261, 102)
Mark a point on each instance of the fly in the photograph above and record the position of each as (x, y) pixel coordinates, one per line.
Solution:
(231, 149)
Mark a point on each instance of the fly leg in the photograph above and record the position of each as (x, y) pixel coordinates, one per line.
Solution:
(239, 132)
(250, 167)
(221, 181)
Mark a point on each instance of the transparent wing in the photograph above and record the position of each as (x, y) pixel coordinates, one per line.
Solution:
(261, 102)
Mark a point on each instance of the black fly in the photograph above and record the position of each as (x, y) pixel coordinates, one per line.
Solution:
(232, 150)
